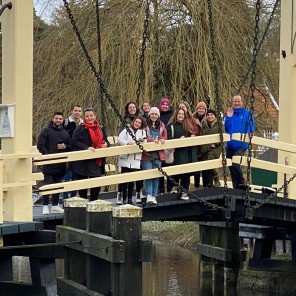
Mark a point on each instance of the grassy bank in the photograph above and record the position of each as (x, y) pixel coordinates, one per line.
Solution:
(184, 234)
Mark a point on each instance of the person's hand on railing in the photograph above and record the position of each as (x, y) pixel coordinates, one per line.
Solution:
(91, 149)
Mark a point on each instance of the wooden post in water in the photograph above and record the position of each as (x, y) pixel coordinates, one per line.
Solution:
(220, 248)
(98, 271)
(127, 277)
(75, 261)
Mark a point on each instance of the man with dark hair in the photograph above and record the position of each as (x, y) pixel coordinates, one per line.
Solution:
(70, 125)
(237, 120)
(73, 120)
(53, 139)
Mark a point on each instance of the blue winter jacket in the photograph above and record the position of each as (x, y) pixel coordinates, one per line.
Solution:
(241, 122)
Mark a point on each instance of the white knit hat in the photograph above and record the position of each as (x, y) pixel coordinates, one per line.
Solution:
(154, 110)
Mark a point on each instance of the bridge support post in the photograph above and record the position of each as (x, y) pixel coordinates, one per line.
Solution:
(127, 277)
(221, 250)
(98, 271)
(75, 261)
(17, 88)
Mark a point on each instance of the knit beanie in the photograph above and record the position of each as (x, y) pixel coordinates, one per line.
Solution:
(165, 100)
(212, 111)
(154, 110)
(201, 105)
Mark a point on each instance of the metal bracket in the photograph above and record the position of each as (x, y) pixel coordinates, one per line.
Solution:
(7, 5)
(227, 214)
(249, 213)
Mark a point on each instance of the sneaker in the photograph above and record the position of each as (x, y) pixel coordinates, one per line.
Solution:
(153, 200)
(119, 198)
(149, 199)
(184, 196)
(174, 189)
(138, 197)
(45, 210)
(57, 210)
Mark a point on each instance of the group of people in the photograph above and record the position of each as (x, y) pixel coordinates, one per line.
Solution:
(72, 134)
(145, 124)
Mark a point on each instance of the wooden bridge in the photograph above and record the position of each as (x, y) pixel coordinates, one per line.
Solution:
(98, 240)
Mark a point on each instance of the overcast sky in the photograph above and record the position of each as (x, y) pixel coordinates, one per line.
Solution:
(44, 8)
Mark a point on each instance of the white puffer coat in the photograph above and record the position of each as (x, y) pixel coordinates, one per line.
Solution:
(132, 161)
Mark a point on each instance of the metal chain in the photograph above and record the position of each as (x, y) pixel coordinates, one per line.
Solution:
(124, 123)
(272, 195)
(252, 99)
(259, 46)
(142, 56)
(217, 99)
(100, 66)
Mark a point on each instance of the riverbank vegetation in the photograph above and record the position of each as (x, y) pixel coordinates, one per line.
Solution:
(183, 234)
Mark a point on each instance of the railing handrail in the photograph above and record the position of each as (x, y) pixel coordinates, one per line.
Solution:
(126, 149)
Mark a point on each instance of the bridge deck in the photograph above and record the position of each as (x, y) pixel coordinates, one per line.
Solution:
(278, 212)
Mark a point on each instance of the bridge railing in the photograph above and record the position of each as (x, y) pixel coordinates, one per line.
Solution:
(128, 177)
(262, 164)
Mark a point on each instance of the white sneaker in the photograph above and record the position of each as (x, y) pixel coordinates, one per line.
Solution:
(149, 199)
(45, 210)
(57, 210)
(174, 190)
(184, 196)
(119, 198)
(153, 199)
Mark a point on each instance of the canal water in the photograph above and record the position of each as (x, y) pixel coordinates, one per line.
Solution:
(174, 271)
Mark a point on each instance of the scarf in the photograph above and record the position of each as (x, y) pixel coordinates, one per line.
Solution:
(95, 136)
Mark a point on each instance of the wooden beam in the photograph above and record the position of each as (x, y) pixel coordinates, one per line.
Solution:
(129, 177)
(127, 149)
(266, 142)
(265, 165)
(94, 244)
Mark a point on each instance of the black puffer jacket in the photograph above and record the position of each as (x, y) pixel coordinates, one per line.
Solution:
(47, 143)
(81, 141)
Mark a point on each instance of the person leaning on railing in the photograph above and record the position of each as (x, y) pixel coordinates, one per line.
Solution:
(211, 151)
(179, 127)
(130, 162)
(237, 120)
(156, 132)
(89, 136)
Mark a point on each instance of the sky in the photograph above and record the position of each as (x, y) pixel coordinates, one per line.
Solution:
(44, 8)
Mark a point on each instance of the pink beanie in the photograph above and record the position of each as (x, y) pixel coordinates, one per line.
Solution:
(163, 101)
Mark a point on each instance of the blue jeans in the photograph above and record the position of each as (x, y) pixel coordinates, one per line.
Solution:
(69, 176)
(151, 185)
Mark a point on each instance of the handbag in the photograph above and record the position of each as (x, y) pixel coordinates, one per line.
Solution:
(169, 153)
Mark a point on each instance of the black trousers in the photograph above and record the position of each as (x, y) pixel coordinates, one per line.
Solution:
(183, 180)
(94, 192)
(52, 179)
(235, 170)
(127, 188)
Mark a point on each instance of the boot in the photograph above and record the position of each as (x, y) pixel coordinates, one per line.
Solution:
(217, 182)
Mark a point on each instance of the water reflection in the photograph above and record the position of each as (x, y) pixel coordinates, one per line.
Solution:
(174, 271)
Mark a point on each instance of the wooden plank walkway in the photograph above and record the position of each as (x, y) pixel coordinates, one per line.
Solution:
(170, 207)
